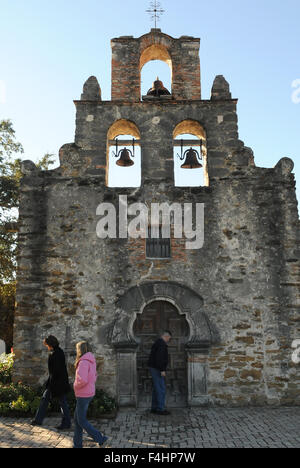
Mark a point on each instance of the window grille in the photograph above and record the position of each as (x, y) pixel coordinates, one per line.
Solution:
(158, 247)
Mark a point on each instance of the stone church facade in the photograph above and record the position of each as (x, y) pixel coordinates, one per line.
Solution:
(232, 306)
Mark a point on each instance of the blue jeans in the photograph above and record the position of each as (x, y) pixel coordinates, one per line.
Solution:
(159, 390)
(81, 423)
(41, 413)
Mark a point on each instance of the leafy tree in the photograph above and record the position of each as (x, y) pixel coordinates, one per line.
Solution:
(10, 176)
(9, 184)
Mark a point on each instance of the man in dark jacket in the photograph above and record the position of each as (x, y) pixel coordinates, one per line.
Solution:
(158, 362)
(57, 385)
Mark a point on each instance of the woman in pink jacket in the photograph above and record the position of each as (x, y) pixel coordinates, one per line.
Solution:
(84, 388)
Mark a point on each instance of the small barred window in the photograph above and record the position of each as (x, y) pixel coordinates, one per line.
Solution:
(158, 247)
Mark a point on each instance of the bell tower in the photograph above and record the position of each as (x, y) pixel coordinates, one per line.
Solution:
(130, 54)
(157, 121)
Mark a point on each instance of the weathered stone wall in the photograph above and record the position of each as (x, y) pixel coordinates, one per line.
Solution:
(156, 123)
(247, 274)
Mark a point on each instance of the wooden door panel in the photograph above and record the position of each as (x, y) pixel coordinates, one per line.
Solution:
(157, 317)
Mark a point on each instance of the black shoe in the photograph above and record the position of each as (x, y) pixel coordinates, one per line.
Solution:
(163, 413)
(154, 411)
(63, 428)
(35, 423)
(104, 443)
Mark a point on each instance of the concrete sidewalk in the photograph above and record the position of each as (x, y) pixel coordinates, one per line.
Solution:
(196, 428)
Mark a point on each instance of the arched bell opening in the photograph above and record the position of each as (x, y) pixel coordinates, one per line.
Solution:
(123, 168)
(158, 73)
(190, 155)
(157, 316)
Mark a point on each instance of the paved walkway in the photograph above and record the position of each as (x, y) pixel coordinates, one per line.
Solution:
(200, 428)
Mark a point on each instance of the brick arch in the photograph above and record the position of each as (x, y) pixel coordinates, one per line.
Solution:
(190, 126)
(155, 52)
(156, 47)
(156, 37)
(123, 127)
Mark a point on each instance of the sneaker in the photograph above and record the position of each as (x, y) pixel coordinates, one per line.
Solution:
(163, 413)
(104, 442)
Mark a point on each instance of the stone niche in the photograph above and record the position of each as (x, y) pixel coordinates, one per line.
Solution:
(201, 337)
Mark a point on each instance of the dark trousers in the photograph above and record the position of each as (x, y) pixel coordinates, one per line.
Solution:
(41, 412)
(159, 390)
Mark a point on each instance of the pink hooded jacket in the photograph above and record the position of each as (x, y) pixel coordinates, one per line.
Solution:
(86, 376)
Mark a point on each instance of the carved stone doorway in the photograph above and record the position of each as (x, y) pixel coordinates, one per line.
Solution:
(129, 334)
(157, 317)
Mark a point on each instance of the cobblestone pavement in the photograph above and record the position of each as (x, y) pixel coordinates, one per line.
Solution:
(196, 428)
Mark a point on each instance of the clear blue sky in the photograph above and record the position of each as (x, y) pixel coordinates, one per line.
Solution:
(49, 48)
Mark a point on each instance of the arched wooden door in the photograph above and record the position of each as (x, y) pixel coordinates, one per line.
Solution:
(157, 317)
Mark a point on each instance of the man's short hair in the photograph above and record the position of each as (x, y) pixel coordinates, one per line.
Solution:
(167, 333)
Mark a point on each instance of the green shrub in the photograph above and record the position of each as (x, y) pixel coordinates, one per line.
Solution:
(23, 400)
(11, 392)
(20, 405)
(5, 409)
(101, 404)
(19, 400)
(6, 365)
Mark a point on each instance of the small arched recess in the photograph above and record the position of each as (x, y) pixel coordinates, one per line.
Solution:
(189, 134)
(123, 134)
(157, 53)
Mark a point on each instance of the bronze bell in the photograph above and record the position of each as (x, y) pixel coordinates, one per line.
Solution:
(158, 89)
(191, 161)
(125, 160)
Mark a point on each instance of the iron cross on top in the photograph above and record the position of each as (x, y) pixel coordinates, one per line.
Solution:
(155, 11)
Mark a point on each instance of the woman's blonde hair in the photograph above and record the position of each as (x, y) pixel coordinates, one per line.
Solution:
(82, 348)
